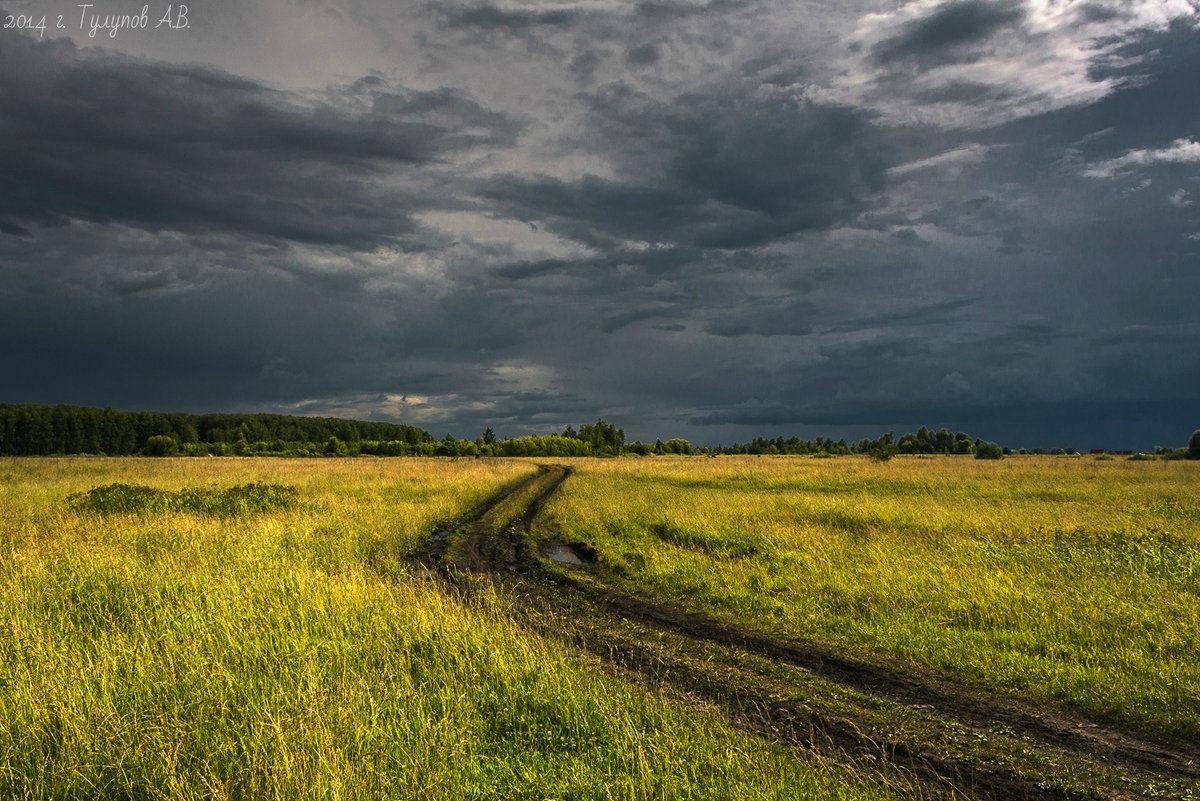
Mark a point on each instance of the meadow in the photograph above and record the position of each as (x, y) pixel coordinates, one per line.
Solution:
(203, 646)
(1070, 582)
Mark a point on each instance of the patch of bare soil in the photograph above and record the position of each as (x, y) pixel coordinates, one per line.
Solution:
(489, 538)
(1058, 755)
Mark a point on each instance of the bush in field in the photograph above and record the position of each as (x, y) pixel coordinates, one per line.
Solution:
(1194, 445)
(988, 450)
(884, 452)
(161, 445)
(228, 502)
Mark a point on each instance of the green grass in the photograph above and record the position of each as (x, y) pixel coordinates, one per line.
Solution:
(1070, 580)
(289, 653)
(231, 501)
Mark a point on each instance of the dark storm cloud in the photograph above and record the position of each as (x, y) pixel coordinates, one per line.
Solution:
(106, 139)
(491, 17)
(643, 55)
(1096, 12)
(722, 172)
(946, 36)
(803, 318)
(592, 207)
(686, 249)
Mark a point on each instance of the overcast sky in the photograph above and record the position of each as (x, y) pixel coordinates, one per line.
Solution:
(700, 219)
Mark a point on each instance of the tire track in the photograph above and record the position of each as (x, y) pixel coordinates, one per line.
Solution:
(494, 538)
(944, 699)
(470, 543)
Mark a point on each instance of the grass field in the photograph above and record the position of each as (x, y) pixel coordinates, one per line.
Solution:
(263, 628)
(1072, 581)
(198, 652)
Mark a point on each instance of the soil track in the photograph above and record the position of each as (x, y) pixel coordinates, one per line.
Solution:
(940, 696)
(494, 538)
(489, 538)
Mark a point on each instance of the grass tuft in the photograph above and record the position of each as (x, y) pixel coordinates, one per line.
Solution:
(221, 502)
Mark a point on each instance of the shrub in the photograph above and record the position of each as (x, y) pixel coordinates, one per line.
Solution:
(161, 445)
(988, 450)
(1194, 445)
(884, 452)
(229, 502)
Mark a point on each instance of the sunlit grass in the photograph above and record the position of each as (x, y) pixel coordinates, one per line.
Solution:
(1067, 579)
(291, 654)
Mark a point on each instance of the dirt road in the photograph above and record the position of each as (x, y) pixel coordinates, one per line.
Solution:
(918, 732)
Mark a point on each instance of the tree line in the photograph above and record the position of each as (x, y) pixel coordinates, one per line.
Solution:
(38, 430)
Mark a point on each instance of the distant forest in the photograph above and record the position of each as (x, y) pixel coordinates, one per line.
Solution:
(32, 430)
(37, 430)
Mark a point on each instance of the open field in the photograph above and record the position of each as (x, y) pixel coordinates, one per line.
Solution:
(751, 628)
(292, 654)
(1074, 581)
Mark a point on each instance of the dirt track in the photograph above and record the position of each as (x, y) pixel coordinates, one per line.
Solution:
(745, 674)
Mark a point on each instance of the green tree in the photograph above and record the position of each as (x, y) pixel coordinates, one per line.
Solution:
(161, 445)
(884, 452)
(988, 450)
(1193, 448)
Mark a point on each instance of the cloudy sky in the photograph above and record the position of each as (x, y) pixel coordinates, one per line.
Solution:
(701, 219)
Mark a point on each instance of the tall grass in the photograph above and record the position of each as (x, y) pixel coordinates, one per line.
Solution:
(120, 498)
(289, 654)
(1066, 579)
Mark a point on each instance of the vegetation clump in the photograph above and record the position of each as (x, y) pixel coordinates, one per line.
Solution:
(161, 445)
(226, 502)
(988, 450)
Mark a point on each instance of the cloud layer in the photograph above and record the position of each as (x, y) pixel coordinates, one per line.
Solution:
(712, 220)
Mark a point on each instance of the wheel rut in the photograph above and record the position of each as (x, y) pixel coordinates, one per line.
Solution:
(494, 539)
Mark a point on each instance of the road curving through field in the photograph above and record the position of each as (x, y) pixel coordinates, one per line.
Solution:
(921, 733)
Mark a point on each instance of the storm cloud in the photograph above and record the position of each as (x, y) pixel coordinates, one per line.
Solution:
(704, 220)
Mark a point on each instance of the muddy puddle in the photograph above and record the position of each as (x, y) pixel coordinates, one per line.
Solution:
(575, 553)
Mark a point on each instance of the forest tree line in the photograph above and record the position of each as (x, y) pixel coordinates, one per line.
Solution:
(37, 430)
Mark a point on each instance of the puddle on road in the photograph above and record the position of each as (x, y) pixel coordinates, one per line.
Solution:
(573, 554)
